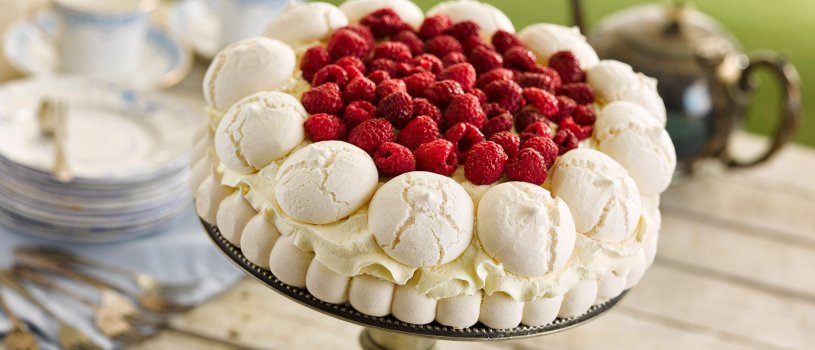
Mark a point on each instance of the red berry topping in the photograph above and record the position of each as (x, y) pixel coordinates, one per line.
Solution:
(485, 60)
(566, 108)
(549, 81)
(528, 116)
(428, 63)
(501, 122)
(352, 72)
(471, 43)
(351, 61)
(509, 142)
(582, 132)
(390, 86)
(421, 106)
(434, 26)
(479, 94)
(324, 127)
(566, 141)
(545, 102)
(462, 73)
(503, 41)
(529, 166)
(397, 108)
(410, 39)
(323, 99)
(383, 22)
(584, 115)
(453, 58)
(441, 92)
(379, 76)
(463, 136)
(485, 163)
(567, 66)
(361, 88)
(539, 129)
(345, 42)
(358, 112)
(313, 60)
(331, 73)
(545, 146)
(437, 157)
(362, 31)
(519, 58)
(493, 75)
(384, 64)
(492, 109)
(393, 50)
(417, 83)
(464, 108)
(581, 93)
(442, 45)
(393, 159)
(462, 30)
(421, 130)
(506, 93)
(370, 134)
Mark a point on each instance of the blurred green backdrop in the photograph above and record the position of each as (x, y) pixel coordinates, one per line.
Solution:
(787, 26)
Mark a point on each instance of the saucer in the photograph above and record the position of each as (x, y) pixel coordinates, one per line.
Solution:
(29, 47)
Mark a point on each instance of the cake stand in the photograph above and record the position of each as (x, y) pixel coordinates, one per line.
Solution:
(388, 333)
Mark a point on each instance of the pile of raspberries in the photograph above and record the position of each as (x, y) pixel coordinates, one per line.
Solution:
(433, 98)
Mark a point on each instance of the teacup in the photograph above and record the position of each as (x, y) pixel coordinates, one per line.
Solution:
(242, 19)
(101, 37)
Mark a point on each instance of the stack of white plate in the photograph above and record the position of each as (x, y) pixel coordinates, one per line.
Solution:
(128, 152)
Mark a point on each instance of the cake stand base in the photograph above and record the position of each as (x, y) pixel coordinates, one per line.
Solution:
(375, 339)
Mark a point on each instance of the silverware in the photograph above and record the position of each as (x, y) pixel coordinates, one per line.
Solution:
(20, 337)
(45, 122)
(61, 171)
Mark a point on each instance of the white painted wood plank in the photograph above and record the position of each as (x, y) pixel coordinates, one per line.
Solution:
(793, 168)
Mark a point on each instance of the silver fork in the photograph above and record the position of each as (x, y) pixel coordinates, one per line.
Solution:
(69, 337)
(20, 337)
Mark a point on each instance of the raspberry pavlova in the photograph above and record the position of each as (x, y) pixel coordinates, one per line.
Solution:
(434, 167)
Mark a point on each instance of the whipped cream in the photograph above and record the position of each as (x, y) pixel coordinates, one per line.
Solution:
(616, 81)
(545, 39)
(304, 23)
(488, 18)
(407, 10)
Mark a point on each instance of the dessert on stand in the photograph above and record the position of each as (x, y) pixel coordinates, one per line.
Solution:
(435, 175)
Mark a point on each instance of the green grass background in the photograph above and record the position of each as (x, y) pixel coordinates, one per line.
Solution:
(787, 26)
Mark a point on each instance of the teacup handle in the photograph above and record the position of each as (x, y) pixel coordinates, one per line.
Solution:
(791, 109)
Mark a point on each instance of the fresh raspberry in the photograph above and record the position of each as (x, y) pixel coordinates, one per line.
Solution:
(582, 132)
(410, 39)
(392, 50)
(437, 157)
(464, 108)
(442, 45)
(471, 43)
(362, 31)
(463, 136)
(385, 64)
(492, 109)
(566, 141)
(546, 81)
(501, 122)
(379, 76)
(331, 73)
(370, 134)
(462, 73)
(323, 99)
(421, 130)
(404, 69)
(393, 159)
(506, 93)
(434, 26)
(493, 75)
(360, 88)
(479, 94)
(324, 127)
(484, 60)
(463, 29)
(566, 108)
(538, 129)
(388, 87)
(383, 22)
(503, 41)
(352, 61)
(421, 106)
(453, 58)
(581, 93)
(345, 42)
(441, 92)
(417, 83)
(353, 72)
(566, 64)
(508, 141)
(358, 112)
(519, 58)
(545, 102)
(529, 167)
(428, 63)
(528, 116)
(584, 115)
(545, 146)
(313, 60)
(397, 108)
(485, 163)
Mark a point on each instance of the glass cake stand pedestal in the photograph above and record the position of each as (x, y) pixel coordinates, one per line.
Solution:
(388, 333)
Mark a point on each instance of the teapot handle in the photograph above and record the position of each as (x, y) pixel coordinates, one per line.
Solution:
(791, 108)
